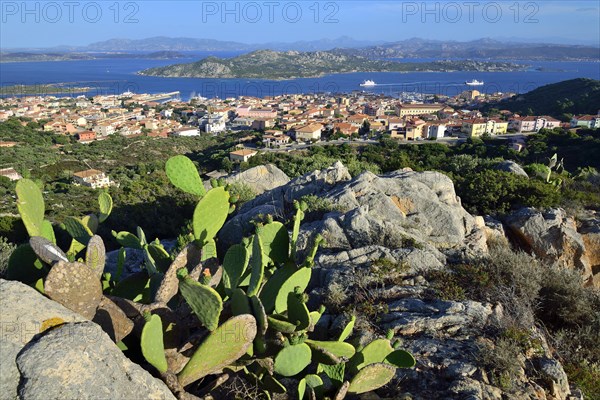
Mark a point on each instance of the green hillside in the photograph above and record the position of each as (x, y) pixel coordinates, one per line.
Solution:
(267, 64)
(576, 96)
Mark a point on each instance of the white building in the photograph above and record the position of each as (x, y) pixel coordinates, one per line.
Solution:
(91, 178)
(104, 129)
(242, 155)
(435, 131)
(186, 131)
(309, 132)
(214, 123)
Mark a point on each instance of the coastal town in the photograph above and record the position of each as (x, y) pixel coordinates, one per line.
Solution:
(280, 123)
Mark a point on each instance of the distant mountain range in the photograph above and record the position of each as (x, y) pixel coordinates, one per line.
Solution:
(163, 43)
(410, 48)
(478, 49)
(268, 64)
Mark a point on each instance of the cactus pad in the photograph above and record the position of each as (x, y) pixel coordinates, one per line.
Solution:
(127, 239)
(297, 311)
(204, 301)
(259, 313)
(347, 329)
(276, 242)
(257, 266)
(240, 304)
(170, 284)
(30, 204)
(183, 174)
(291, 360)
(78, 230)
(299, 279)
(106, 204)
(339, 349)
(95, 256)
(152, 344)
(234, 265)
(280, 324)
(222, 347)
(371, 377)
(113, 320)
(210, 215)
(75, 286)
(374, 352)
(48, 231)
(401, 359)
(334, 372)
(24, 266)
(46, 250)
(269, 292)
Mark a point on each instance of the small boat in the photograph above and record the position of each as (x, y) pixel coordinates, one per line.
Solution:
(474, 83)
(368, 83)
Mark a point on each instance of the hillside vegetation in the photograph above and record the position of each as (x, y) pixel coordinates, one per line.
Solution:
(267, 64)
(576, 96)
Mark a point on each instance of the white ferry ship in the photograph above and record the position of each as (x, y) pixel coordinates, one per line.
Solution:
(474, 83)
(368, 83)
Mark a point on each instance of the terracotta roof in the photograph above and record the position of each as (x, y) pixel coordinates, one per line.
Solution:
(244, 152)
(87, 173)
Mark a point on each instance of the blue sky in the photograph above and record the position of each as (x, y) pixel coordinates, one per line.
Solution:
(62, 22)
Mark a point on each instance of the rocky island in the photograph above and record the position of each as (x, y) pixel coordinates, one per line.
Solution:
(267, 64)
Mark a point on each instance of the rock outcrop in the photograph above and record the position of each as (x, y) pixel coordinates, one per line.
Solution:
(80, 361)
(260, 179)
(554, 237)
(386, 238)
(75, 360)
(394, 210)
(512, 167)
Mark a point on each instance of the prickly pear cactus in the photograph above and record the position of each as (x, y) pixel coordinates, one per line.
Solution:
(170, 284)
(226, 344)
(401, 359)
(257, 266)
(291, 360)
(210, 215)
(24, 265)
(106, 204)
(299, 279)
(113, 320)
(205, 302)
(75, 286)
(374, 352)
(46, 250)
(127, 239)
(234, 265)
(371, 377)
(30, 204)
(183, 174)
(298, 313)
(348, 329)
(152, 344)
(271, 289)
(78, 230)
(95, 255)
(338, 349)
(275, 241)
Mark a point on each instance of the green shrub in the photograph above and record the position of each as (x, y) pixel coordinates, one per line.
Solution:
(6, 249)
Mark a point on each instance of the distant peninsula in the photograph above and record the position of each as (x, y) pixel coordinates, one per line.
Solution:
(67, 56)
(268, 64)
